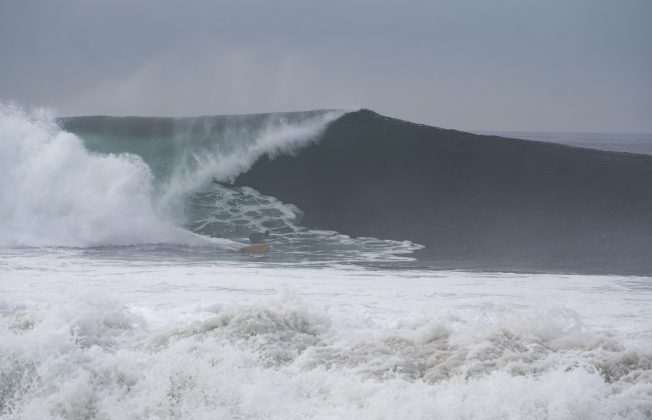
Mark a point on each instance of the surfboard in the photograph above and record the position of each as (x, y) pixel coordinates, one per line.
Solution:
(256, 248)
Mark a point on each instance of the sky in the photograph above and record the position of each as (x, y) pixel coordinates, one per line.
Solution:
(503, 65)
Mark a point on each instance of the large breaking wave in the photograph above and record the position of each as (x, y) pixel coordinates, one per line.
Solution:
(134, 181)
(479, 202)
(475, 202)
(54, 192)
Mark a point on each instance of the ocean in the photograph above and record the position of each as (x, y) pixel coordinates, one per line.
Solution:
(415, 272)
(640, 143)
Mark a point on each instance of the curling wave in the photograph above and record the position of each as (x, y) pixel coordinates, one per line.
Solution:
(474, 202)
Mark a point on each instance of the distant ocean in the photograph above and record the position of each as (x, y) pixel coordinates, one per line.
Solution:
(415, 272)
(617, 142)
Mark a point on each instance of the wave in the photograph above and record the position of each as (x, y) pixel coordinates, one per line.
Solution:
(134, 181)
(195, 160)
(475, 202)
(186, 154)
(54, 192)
(327, 182)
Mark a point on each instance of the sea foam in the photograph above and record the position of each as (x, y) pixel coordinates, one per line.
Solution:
(54, 192)
(283, 357)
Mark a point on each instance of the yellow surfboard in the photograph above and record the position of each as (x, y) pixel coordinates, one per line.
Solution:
(256, 248)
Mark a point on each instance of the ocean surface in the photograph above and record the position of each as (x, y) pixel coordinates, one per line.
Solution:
(617, 142)
(415, 272)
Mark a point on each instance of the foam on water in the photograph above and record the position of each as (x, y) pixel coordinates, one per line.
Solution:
(244, 210)
(54, 192)
(235, 341)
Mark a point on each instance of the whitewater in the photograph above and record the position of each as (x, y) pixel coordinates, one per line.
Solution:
(123, 296)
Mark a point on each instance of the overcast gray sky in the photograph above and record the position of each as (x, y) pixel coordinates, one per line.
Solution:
(547, 65)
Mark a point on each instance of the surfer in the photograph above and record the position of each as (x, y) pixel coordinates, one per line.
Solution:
(259, 238)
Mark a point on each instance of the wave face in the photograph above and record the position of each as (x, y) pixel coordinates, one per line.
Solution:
(105, 181)
(475, 202)
(314, 178)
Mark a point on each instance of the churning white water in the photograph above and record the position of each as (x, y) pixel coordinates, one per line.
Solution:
(84, 336)
(54, 192)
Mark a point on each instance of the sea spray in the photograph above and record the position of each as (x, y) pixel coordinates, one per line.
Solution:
(220, 156)
(54, 192)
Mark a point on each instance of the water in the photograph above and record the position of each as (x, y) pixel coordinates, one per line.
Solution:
(618, 142)
(123, 296)
(86, 336)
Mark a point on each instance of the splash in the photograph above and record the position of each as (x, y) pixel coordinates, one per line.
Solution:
(234, 151)
(281, 354)
(54, 192)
